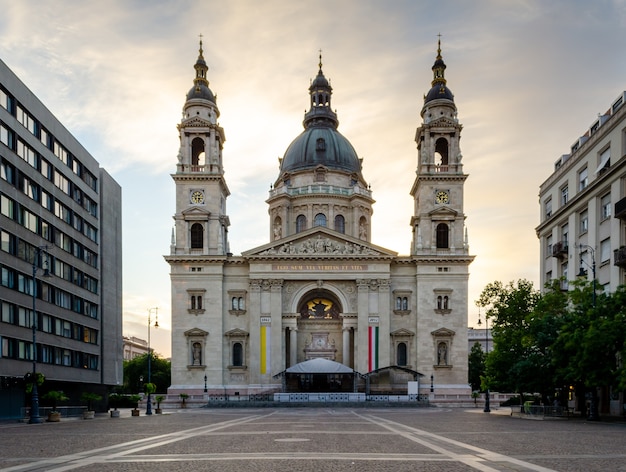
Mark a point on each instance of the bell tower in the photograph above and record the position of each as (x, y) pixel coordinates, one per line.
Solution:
(201, 223)
(438, 219)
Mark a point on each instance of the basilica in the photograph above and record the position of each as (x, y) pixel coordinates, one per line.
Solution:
(320, 289)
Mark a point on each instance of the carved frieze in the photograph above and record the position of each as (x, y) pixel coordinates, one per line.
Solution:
(320, 245)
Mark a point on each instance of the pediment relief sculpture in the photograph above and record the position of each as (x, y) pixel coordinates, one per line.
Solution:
(320, 245)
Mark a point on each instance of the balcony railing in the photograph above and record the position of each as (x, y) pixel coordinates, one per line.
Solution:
(620, 209)
(619, 257)
(560, 249)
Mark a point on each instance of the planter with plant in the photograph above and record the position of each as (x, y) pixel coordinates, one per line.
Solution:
(114, 401)
(54, 397)
(158, 399)
(89, 398)
(183, 397)
(134, 399)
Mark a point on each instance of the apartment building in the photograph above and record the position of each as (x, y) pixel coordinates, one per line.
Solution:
(60, 257)
(583, 206)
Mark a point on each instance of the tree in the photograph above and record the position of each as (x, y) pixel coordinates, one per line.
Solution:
(137, 368)
(509, 309)
(476, 366)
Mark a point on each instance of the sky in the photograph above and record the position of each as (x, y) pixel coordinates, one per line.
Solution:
(529, 77)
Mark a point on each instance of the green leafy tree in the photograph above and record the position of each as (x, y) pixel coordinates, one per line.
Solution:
(137, 368)
(509, 309)
(476, 366)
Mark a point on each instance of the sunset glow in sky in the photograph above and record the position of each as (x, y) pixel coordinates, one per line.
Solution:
(529, 78)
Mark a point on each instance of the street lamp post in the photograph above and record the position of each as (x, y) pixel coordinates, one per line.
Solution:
(593, 406)
(486, 409)
(205, 387)
(156, 325)
(34, 408)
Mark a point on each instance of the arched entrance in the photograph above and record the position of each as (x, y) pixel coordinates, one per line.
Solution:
(320, 327)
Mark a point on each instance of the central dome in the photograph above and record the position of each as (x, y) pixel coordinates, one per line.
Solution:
(321, 145)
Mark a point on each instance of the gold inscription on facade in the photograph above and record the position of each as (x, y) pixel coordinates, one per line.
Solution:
(322, 267)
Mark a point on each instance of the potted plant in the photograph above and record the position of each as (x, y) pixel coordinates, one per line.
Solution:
(114, 401)
(183, 397)
(159, 399)
(55, 396)
(134, 399)
(89, 398)
(475, 395)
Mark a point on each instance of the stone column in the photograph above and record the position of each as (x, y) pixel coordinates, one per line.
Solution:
(293, 346)
(360, 344)
(346, 345)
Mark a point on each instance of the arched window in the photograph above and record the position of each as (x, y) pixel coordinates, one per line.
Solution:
(405, 303)
(439, 302)
(193, 302)
(197, 152)
(398, 303)
(401, 358)
(320, 220)
(237, 354)
(340, 224)
(445, 302)
(300, 223)
(240, 305)
(197, 236)
(441, 152)
(442, 236)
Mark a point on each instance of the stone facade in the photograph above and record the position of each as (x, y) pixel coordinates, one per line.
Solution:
(320, 287)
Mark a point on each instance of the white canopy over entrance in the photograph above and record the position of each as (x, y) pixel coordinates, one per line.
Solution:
(319, 366)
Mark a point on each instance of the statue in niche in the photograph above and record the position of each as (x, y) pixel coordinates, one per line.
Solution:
(197, 354)
(442, 354)
(278, 230)
(362, 231)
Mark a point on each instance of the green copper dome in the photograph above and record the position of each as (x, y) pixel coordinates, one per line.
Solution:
(320, 143)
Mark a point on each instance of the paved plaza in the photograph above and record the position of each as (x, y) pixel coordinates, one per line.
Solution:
(315, 439)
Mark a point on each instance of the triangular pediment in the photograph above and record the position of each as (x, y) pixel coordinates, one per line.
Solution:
(195, 212)
(443, 122)
(196, 332)
(236, 333)
(443, 213)
(319, 242)
(196, 122)
(398, 333)
(443, 333)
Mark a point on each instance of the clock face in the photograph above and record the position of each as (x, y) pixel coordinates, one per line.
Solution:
(442, 197)
(197, 197)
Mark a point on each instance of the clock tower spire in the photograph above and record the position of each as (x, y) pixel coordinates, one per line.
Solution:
(201, 223)
(438, 220)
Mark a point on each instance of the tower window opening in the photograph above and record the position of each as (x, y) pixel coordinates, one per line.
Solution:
(441, 154)
(442, 236)
(197, 236)
(197, 153)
